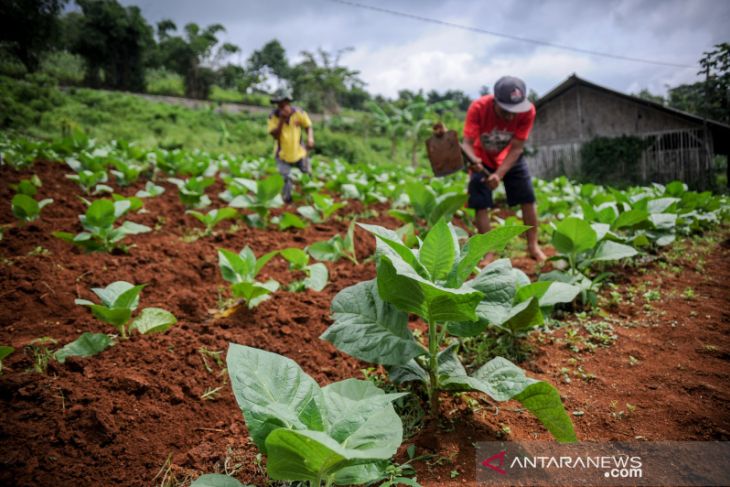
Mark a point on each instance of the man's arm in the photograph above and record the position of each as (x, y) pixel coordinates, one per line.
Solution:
(310, 137)
(474, 161)
(275, 132)
(517, 146)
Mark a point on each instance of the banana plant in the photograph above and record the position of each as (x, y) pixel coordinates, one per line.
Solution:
(341, 434)
(371, 321)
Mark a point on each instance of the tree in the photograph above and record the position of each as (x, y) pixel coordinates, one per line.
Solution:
(461, 100)
(28, 28)
(321, 82)
(268, 62)
(195, 57)
(645, 94)
(710, 97)
(115, 42)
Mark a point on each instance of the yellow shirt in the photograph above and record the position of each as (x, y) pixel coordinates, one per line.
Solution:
(289, 146)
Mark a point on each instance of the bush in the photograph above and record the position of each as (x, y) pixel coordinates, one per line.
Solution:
(23, 102)
(345, 147)
(66, 68)
(164, 82)
(612, 160)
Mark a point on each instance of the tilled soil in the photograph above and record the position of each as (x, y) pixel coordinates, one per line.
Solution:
(155, 409)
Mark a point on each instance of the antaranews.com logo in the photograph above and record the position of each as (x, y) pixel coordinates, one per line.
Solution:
(615, 463)
(614, 466)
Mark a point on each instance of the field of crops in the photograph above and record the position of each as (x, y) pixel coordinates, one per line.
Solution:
(163, 315)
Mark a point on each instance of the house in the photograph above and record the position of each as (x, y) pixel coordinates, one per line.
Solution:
(678, 145)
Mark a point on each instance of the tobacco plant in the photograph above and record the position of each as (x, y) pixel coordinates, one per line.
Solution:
(192, 191)
(321, 209)
(580, 245)
(317, 274)
(241, 270)
(371, 321)
(343, 433)
(118, 300)
(213, 217)
(26, 208)
(336, 247)
(99, 230)
(259, 196)
(428, 206)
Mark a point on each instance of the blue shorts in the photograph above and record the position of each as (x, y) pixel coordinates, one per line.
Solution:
(517, 185)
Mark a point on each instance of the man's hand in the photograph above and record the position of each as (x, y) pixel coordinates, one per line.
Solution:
(310, 143)
(493, 180)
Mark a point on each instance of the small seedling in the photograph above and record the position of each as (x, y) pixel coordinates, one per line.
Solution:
(119, 299)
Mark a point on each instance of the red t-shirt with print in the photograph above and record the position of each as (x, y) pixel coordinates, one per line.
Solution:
(491, 134)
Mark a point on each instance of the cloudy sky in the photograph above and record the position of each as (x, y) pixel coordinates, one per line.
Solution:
(393, 52)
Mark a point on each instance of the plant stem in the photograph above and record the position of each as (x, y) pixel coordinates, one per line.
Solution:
(433, 350)
(317, 481)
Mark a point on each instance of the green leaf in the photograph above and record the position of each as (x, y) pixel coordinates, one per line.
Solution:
(128, 299)
(110, 293)
(296, 257)
(310, 213)
(267, 189)
(87, 345)
(114, 316)
(609, 250)
(317, 276)
(273, 392)
(5, 350)
(349, 403)
(502, 380)
(233, 268)
(369, 328)
(524, 316)
(446, 206)
(216, 480)
(100, 214)
(549, 293)
(325, 250)
(131, 228)
(254, 292)
(630, 218)
(153, 320)
(312, 455)
(438, 252)
(573, 235)
(24, 207)
(289, 220)
(389, 243)
(497, 282)
(400, 284)
(422, 199)
(479, 245)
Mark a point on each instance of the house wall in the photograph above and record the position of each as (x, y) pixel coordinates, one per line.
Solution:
(581, 113)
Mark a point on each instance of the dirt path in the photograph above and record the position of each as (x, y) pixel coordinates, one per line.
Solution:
(159, 406)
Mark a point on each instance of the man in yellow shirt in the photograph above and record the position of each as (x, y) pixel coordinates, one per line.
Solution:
(285, 126)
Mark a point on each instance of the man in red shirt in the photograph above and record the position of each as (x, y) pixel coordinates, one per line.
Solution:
(495, 132)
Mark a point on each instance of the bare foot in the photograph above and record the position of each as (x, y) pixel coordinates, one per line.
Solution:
(537, 254)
